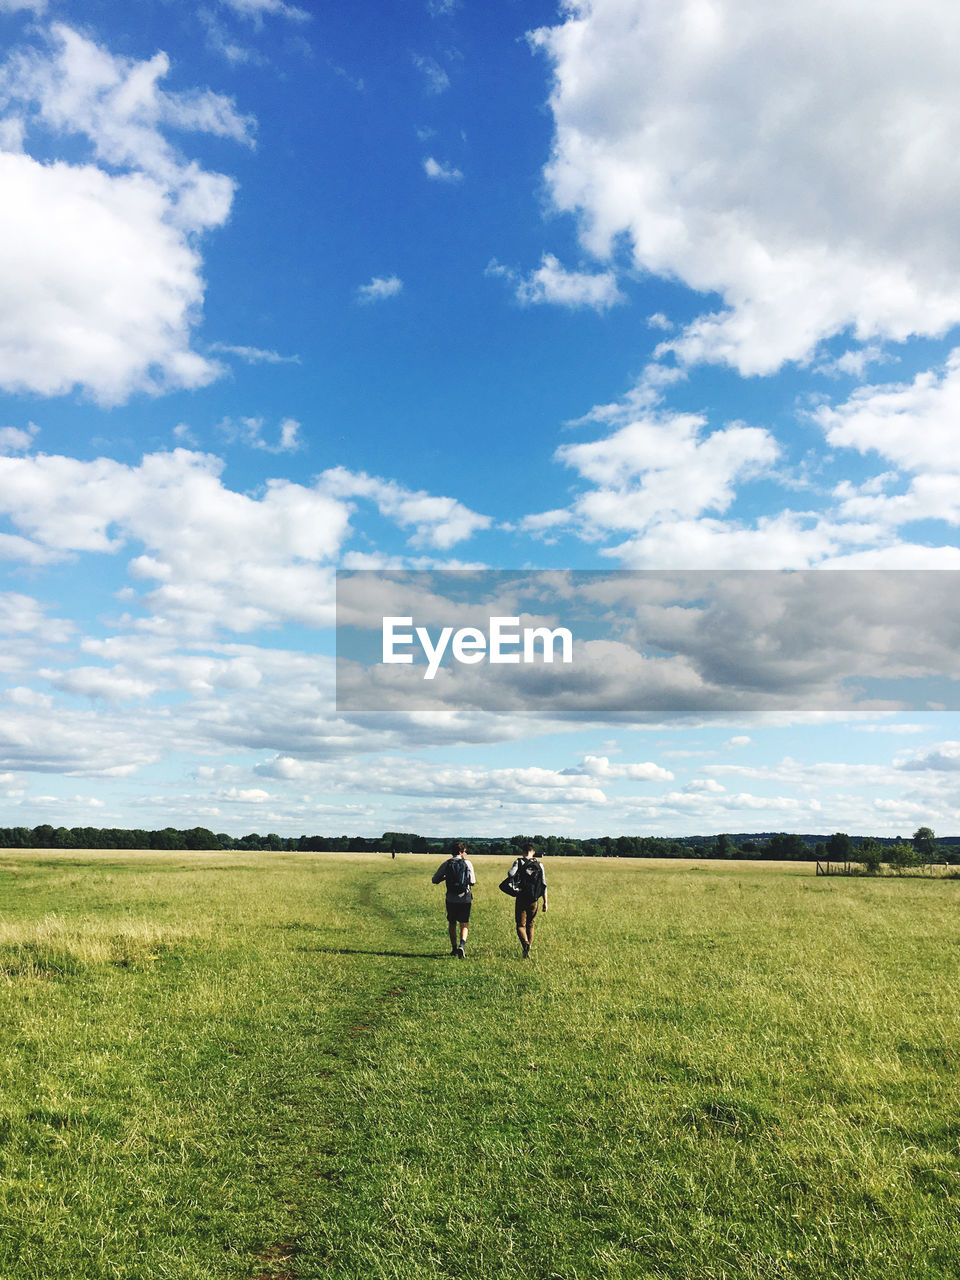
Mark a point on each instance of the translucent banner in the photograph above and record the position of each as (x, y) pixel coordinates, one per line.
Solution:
(626, 645)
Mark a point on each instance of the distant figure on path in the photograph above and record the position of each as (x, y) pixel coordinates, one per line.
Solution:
(459, 876)
(528, 872)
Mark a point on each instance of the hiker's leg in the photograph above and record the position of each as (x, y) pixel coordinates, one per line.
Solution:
(464, 930)
(531, 916)
(454, 927)
(520, 915)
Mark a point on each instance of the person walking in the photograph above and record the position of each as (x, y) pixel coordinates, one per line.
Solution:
(458, 875)
(528, 873)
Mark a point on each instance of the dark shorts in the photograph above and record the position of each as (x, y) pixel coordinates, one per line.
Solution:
(525, 911)
(458, 912)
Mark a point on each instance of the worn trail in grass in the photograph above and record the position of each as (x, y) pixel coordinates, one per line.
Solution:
(217, 1065)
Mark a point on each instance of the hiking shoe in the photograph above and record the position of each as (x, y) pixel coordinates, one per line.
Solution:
(460, 953)
(526, 950)
(453, 951)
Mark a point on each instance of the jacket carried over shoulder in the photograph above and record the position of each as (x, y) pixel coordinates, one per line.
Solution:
(529, 874)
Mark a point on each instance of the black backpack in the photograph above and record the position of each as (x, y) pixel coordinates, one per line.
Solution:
(530, 878)
(457, 875)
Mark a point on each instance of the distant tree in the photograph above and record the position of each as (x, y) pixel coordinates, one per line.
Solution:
(900, 856)
(397, 841)
(723, 846)
(925, 844)
(870, 853)
(839, 847)
(200, 838)
(786, 846)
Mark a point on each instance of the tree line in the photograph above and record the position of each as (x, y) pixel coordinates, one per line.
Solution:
(870, 853)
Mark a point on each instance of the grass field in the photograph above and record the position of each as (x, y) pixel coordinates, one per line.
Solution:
(266, 1065)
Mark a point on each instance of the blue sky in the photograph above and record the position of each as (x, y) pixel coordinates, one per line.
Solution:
(432, 283)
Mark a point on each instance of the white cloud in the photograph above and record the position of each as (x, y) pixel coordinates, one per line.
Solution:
(853, 363)
(437, 80)
(704, 786)
(98, 682)
(254, 355)
(22, 615)
(15, 439)
(661, 468)
(221, 558)
(391, 775)
(249, 431)
(441, 172)
(911, 424)
(793, 159)
(218, 557)
(258, 9)
(785, 541)
(380, 287)
(942, 758)
(600, 767)
(12, 6)
(35, 737)
(553, 283)
(247, 795)
(102, 272)
(437, 521)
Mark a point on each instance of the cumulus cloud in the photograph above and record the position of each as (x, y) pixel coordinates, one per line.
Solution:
(911, 424)
(221, 558)
(103, 281)
(218, 558)
(380, 287)
(600, 767)
(553, 283)
(789, 158)
(659, 469)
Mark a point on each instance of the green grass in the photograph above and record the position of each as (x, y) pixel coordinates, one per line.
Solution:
(266, 1065)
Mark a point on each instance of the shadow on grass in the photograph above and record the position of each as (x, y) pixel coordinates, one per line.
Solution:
(399, 955)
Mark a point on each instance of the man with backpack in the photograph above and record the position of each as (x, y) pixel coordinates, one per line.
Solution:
(528, 873)
(458, 875)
